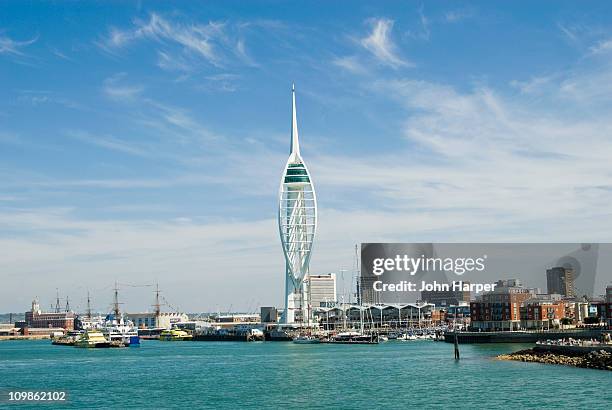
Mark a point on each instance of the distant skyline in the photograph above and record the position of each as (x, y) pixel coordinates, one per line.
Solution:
(144, 142)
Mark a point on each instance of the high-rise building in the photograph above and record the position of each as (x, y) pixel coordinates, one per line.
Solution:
(322, 289)
(560, 280)
(297, 223)
(446, 298)
(365, 290)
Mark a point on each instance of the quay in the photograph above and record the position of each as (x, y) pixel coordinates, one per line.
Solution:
(215, 337)
(521, 336)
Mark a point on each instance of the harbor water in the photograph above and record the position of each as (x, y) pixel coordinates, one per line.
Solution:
(419, 374)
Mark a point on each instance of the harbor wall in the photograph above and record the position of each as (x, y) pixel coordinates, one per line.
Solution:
(520, 337)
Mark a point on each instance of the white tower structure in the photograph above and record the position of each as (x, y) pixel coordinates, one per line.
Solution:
(297, 225)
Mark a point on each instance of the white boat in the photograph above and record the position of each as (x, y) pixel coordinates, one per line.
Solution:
(120, 330)
(406, 337)
(383, 338)
(306, 340)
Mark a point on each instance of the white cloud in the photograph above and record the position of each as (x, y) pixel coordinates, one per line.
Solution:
(350, 63)
(424, 23)
(602, 47)
(380, 44)
(210, 42)
(9, 46)
(534, 85)
(115, 88)
(455, 16)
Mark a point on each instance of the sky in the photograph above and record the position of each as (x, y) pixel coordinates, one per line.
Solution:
(143, 142)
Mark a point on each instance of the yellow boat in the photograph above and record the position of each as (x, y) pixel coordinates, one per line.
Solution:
(92, 339)
(174, 335)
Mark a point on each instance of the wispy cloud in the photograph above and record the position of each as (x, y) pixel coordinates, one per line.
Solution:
(380, 44)
(115, 88)
(568, 32)
(534, 85)
(350, 63)
(601, 47)
(108, 142)
(8, 46)
(455, 16)
(211, 42)
(424, 22)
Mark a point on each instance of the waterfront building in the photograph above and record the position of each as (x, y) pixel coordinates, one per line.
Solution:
(446, 298)
(577, 311)
(561, 280)
(460, 312)
(387, 315)
(36, 318)
(161, 320)
(297, 223)
(539, 313)
(268, 314)
(322, 289)
(500, 309)
(238, 318)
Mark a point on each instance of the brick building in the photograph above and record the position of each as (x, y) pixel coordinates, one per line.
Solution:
(38, 319)
(541, 314)
(500, 309)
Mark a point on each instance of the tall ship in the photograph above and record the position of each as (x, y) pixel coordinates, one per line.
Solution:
(118, 329)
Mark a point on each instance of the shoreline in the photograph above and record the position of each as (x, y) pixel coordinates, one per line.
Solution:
(29, 337)
(601, 360)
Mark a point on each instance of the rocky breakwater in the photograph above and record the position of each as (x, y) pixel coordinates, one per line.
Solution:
(595, 359)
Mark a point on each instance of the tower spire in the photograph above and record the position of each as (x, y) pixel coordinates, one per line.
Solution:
(295, 142)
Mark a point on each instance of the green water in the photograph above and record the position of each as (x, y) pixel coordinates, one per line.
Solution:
(282, 375)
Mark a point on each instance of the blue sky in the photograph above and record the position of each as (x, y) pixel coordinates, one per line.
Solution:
(144, 141)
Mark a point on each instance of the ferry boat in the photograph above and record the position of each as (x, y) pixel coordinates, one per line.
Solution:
(117, 329)
(92, 338)
(173, 335)
(68, 339)
(120, 331)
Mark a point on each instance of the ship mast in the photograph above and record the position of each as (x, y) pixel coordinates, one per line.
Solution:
(157, 306)
(88, 306)
(116, 302)
(67, 304)
(57, 302)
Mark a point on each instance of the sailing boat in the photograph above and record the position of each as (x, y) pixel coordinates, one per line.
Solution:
(353, 337)
(306, 338)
